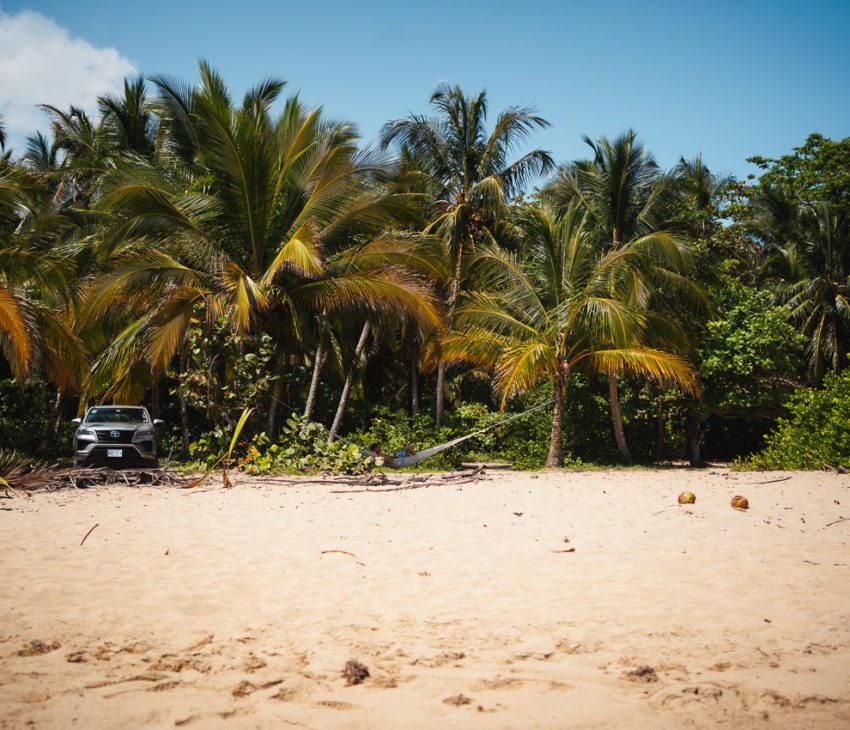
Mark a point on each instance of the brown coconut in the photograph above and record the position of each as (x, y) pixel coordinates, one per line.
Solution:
(687, 498)
(739, 502)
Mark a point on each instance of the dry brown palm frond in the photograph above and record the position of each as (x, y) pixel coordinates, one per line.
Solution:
(17, 473)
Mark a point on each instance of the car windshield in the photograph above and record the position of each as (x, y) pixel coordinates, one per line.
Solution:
(116, 415)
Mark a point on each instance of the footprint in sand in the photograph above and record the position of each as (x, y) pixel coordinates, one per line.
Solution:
(245, 688)
(498, 683)
(177, 664)
(252, 663)
(337, 705)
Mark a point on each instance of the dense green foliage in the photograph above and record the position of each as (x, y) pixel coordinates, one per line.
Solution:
(815, 433)
(214, 257)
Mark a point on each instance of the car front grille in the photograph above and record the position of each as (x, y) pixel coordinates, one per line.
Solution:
(114, 436)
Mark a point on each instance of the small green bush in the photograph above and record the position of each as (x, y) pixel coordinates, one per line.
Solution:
(816, 433)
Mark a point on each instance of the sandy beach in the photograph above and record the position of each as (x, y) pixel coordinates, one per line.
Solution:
(557, 599)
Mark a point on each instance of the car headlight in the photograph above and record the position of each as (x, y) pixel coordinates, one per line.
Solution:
(143, 435)
(90, 432)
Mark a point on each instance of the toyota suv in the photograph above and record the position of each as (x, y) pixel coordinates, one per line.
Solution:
(116, 436)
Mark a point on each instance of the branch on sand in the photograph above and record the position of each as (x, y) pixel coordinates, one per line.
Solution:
(419, 481)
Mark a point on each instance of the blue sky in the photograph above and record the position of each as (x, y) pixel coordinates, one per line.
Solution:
(724, 79)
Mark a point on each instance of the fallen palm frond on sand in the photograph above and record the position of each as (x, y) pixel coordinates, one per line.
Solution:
(18, 476)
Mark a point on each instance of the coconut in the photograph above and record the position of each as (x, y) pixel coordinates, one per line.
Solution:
(739, 502)
(687, 498)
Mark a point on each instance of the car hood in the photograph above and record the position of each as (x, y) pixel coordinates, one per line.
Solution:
(118, 426)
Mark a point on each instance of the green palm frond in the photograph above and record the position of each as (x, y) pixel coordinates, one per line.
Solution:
(521, 366)
(300, 254)
(662, 366)
(391, 292)
(169, 323)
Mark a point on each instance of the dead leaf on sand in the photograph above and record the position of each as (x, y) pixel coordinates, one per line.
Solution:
(36, 647)
(457, 700)
(354, 672)
(643, 673)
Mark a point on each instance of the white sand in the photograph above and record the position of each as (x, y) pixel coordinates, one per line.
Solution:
(239, 608)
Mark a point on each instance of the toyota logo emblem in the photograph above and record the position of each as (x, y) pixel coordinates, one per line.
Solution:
(114, 434)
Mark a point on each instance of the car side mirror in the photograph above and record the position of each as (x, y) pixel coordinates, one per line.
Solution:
(76, 421)
(158, 421)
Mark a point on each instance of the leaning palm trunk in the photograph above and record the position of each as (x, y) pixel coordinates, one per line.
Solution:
(318, 362)
(346, 388)
(617, 417)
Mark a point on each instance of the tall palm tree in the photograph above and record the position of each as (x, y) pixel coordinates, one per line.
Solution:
(554, 312)
(695, 194)
(622, 191)
(465, 174)
(266, 221)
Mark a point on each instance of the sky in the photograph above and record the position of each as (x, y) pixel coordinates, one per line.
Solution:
(725, 80)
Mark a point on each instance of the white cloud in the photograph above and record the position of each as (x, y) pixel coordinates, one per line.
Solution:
(41, 63)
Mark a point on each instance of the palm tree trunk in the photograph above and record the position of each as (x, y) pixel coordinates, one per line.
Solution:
(413, 374)
(694, 436)
(184, 408)
(451, 299)
(555, 457)
(155, 404)
(349, 379)
(441, 395)
(52, 424)
(274, 401)
(617, 417)
(318, 362)
(660, 440)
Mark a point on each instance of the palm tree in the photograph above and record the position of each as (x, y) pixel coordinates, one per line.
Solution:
(623, 194)
(37, 297)
(128, 123)
(555, 311)
(696, 191)
(808, 260)
(695, 194)
(465, 175)
(266, 221)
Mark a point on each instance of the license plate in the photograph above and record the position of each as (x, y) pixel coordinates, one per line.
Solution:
(114, 453)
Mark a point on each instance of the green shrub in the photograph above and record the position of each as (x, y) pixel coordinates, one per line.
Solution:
(816, 433)
(302, 447)
(24, 413)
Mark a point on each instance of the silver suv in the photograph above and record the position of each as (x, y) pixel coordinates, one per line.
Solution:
(116, 436)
